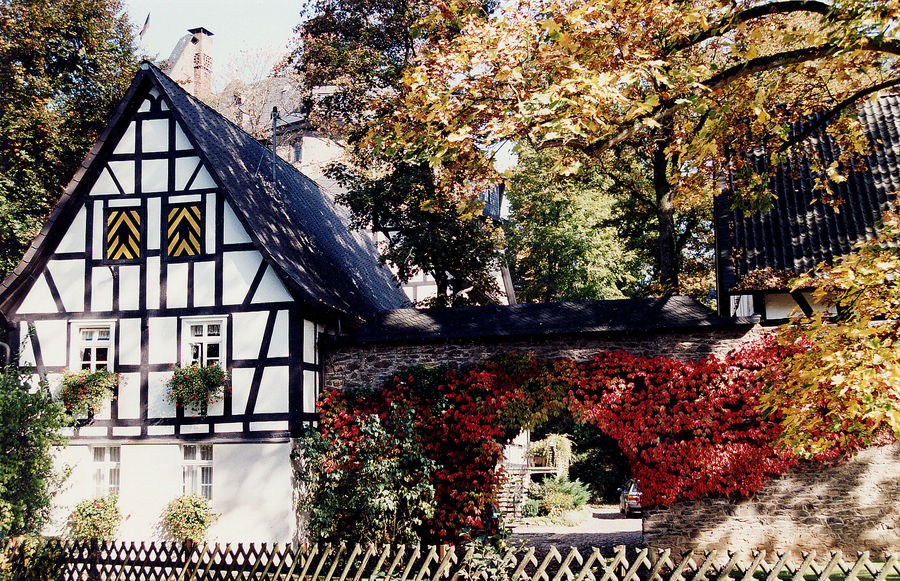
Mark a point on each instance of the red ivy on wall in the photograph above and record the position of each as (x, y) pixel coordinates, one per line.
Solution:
(688, 429)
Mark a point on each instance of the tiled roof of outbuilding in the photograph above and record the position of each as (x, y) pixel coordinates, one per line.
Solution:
(800, 232)
(535, 319)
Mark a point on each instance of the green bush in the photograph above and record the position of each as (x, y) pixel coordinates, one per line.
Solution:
(556, 503)
(531, 508)
(189, 517)
(30, 423)
(579, 491)
(372, 486)
(96, 518)
(558, 495)
(32, 559)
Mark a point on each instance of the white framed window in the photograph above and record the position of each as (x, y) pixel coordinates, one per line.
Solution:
(107, 463)
(93, 345)
(203, 341)
(198, 469)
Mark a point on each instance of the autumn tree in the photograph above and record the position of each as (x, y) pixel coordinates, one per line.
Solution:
(63, 67)
(561, 244)
(352, 56)
(683, 84)
(841, 393)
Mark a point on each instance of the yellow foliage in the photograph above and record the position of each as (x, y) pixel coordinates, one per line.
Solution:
(843, 390)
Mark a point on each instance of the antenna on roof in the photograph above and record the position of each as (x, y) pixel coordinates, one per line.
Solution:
(274, 121)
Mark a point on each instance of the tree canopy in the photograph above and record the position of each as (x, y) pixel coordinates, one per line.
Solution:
(63, 67)
(680, 84)
(561, 240)
(352, 56)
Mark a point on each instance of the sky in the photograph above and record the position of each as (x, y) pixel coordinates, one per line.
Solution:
(236, 25)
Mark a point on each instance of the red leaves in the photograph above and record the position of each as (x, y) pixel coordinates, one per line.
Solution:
(688, 429)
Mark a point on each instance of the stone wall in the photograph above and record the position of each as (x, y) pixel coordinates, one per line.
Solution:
(356, 365)
(851, 507)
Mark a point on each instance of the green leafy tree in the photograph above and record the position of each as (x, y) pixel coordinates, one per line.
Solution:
(351, 56)
(560, 241)
(63, 67)
(30, 428)
(427, 229)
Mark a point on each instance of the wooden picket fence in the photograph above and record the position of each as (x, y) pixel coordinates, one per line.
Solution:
(92, 561)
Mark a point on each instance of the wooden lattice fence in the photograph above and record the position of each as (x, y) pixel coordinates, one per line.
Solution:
(70, 561)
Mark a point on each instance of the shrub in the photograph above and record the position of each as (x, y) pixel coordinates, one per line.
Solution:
(555, 502)
(189, 517)
(96, 518)
(367, 481)
(197, 387)
(575, 489)
(32, 559)
(531, 508)
(30, 423)
(84, 392)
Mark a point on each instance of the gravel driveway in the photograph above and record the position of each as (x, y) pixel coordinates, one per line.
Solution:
(605, 530)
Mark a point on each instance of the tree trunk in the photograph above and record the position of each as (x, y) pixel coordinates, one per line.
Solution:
(665, 211)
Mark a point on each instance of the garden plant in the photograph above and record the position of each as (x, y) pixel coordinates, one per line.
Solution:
(195, 387)
(84, 392)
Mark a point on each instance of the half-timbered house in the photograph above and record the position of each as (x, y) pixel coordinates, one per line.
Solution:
(758, 253)
(178, 242)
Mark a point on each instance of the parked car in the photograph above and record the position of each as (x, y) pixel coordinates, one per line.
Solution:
(630, 498)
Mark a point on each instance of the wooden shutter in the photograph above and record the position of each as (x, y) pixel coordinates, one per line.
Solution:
(123, 234)
(184, 231)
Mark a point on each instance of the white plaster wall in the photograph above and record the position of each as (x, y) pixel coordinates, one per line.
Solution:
(76, 460)
(781, 306)
(252, 490)
(150, 478)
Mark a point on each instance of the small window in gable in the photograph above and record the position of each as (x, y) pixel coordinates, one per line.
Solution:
(92, 346)
(123, 234)
(204, 342)
(184, 231)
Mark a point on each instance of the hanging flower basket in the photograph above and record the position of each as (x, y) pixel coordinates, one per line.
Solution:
(84, 392)
(195, 387)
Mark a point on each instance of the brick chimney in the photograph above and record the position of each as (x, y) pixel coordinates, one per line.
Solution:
(201, 39)
(191, 62)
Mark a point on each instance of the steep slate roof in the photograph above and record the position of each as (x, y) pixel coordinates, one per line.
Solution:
(301, 232)
(536, 319)
(798, 233)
